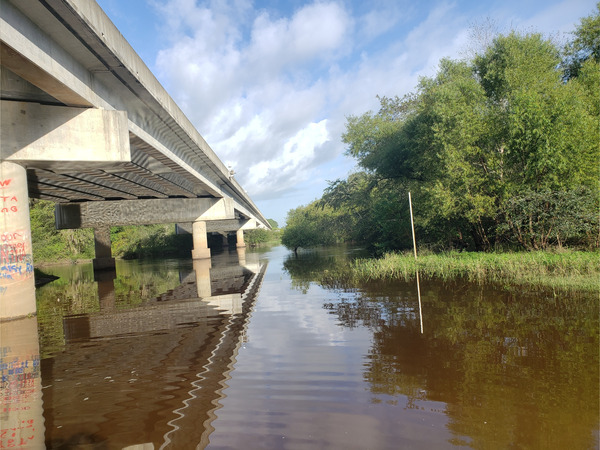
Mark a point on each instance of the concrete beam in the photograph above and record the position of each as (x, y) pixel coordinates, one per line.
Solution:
(17, 63)
(221, 226)
(56, 136)
(142, 212)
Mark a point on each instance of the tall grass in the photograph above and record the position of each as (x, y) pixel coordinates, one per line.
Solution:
(558, 270)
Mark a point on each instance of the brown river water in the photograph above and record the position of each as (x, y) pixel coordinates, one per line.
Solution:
(250, 352)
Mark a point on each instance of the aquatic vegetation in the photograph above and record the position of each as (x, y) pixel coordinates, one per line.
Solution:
(570, 270)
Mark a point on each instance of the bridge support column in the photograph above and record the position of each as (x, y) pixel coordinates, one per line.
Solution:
(17, 284)
(240, 238)
(201, 250)
(103, 259)
(202, 268)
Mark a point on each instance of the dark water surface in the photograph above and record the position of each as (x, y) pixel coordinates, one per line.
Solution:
(250, 352)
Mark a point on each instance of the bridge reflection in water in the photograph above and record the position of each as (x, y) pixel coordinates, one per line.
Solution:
(150, 376)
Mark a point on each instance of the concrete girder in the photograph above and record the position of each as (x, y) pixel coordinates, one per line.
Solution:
(222, 226)
(142, 212)
(16, 62)
(15, 88)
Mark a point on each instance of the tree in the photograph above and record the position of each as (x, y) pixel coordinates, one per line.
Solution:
(480, 133)
(256, 236)
(309, 226)
(50, 244)
(584, 47)
(371, 211)
(538, 220)
(495, 150)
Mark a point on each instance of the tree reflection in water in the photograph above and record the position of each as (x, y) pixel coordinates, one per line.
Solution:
(514, 369)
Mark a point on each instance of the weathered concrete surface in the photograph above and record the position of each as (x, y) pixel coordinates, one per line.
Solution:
(142, 212)
(54, 136)
(17, 284)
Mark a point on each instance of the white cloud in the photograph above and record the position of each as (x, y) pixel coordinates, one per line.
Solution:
(315, 32)
(288, 167)
(256, 102)
(270, 93)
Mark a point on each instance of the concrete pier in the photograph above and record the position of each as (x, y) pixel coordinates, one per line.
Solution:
(102, 245)
(201, 250)
(240, 238)
(17, 284)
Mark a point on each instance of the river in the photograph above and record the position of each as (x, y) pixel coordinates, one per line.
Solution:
(248, 351)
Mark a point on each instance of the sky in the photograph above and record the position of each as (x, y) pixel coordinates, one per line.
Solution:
(269, 84)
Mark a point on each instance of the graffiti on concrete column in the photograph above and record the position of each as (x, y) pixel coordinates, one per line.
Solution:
(19, 389)
(9, 201)
(15, 261)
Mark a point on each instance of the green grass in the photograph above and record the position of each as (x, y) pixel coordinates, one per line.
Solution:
(565, 270)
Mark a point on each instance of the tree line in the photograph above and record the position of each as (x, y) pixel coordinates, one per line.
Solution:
(500, 151)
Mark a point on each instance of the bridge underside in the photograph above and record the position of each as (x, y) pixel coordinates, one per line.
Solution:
(84, 123)
(84, 154)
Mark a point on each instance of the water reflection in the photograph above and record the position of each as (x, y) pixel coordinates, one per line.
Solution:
(21, 419)
(508, 368)
(142, 359)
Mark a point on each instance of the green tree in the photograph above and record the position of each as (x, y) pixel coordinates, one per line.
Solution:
(310, 226)
(149, 241)
(549, 135)
(480, 133)
(370, 211)
(584, 47)
(256, 236)
(50, 244)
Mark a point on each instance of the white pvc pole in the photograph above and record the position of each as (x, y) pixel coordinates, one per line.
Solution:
(412, 224)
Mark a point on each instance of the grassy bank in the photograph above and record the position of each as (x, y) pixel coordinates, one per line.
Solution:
(567, 270)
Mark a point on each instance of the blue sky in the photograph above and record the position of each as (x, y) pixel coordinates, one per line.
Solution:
(269, 84)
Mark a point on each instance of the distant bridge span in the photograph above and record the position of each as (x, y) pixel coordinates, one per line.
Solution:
(86, 124)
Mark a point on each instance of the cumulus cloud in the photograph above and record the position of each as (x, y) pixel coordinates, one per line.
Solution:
(270, 91)
(248, 83)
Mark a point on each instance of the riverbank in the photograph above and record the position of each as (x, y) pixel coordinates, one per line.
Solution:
(564, 270)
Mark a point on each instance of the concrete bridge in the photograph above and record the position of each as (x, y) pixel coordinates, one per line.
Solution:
(84, 123)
